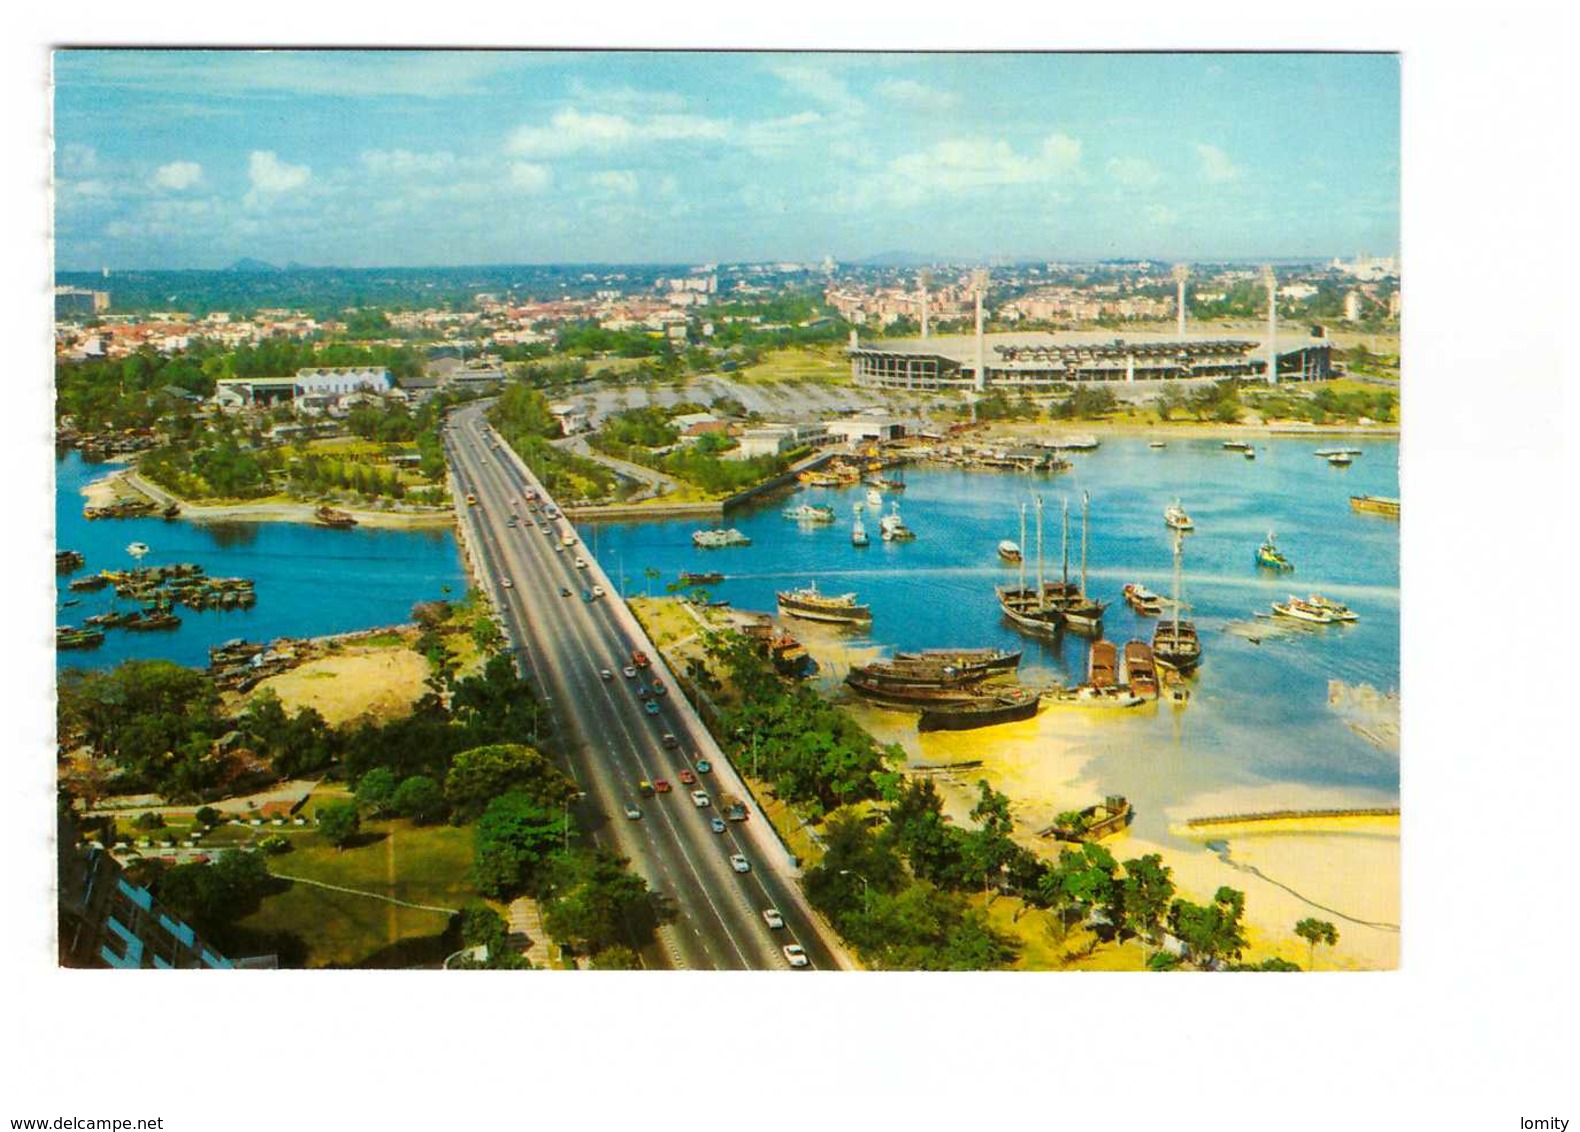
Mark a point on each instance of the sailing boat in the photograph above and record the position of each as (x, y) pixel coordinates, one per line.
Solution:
(1175, 645)
(1030, 609)
(1081, 613)
(858, 533)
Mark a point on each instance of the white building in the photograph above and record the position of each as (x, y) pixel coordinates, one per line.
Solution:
(337, 380)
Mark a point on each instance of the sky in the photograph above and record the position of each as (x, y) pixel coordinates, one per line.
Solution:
(172, 159)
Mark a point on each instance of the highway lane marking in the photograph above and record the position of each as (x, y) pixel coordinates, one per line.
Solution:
(504, 555)
(611, 627)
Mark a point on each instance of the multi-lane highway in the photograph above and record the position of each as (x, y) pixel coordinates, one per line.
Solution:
(611, 739)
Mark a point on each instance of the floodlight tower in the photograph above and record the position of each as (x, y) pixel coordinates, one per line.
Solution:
(1271, 282)
(925, 278)
(1181, 273)
(979, 280)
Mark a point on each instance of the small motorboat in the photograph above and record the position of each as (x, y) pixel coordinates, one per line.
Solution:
(137, 549)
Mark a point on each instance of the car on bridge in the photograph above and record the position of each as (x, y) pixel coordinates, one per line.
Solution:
(703, 766)
(687, 777)
(699, 798)
(645, 788)
(795, 955)
(605, 674)
(739, 863)
(661, 785)
(772, 918)
(651, 706)
(632, 811)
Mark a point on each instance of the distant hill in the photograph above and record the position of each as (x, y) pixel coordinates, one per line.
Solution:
(253, 266)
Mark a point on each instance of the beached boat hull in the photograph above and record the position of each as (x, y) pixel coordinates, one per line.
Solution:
(968, 717)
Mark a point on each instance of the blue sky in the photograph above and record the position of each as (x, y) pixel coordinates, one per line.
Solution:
(195, 159)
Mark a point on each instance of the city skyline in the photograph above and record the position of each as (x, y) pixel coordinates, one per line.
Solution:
(170, 160)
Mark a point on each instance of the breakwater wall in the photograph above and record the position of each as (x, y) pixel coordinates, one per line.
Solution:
(1293, 815)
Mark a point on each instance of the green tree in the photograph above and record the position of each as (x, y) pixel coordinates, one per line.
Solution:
(512, 842)
(339, 822)
(1145, 893)
(1315, 931)
(482, 774)
(421, 799)
(375, 789)
(210, 895)
(1213, 931)
(596, 903)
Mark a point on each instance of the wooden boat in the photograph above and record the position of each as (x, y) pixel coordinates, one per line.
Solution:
(1102, 669)
(91, 583)
(69, 638)
(964, 660)
(1081, 613)
(1175, 645)
(1140, 671)
(1375, 505)
(1086, 696)
(67, 561)
(1009, 551)
(1031, 609)
(910, 695)
(1009, 706)
(1340, 460)
(858, 532)
(1158, 444)
(1094, 822)
(836, 609)
(709, 578)
(330, 517)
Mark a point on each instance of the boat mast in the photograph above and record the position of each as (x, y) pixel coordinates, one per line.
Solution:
(1086, 500)
(1041, 589)
(1179, 541)
(1064, 546)
(1021, 546)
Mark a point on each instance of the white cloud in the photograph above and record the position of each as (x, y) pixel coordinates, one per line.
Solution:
(1215, 163)
(572, 131)
(817, 83)
(778, 133)
(529, 177)
(270, 176)
(909, 92)
(1161, 215)
(621, 181)
(177, 175)
(960, 164)
(1136, 172)
(403, 162)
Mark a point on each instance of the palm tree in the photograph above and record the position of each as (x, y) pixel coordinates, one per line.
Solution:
(652, 574)
(1315, 932)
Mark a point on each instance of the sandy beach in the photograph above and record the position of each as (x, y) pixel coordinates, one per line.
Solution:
(363, 682)
(1345, 871)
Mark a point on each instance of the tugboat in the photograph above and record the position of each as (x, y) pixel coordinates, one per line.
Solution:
(809, 605)
(1175, 645)
(892, 528)
(342, 520)
(1009, 706)
(858, 532)
(1269, 557)
(1175, 518)
(1142, 600)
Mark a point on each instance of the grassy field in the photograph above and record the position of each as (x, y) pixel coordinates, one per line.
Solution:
(418, 864)
(1041, 948)
(820, 364)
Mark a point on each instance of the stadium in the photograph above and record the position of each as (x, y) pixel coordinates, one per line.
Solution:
(1039, 362)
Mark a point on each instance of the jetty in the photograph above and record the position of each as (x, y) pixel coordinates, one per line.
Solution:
(1293, 815)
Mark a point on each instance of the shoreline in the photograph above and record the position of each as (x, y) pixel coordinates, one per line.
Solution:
(125, 481)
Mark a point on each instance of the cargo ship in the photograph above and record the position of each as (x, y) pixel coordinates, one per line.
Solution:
(1175, 645)
(1375, 505)
(809, 605)
(1009, 706)
(718, 539)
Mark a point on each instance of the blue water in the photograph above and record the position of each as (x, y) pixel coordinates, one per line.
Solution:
(1259, 712)
(310, 580)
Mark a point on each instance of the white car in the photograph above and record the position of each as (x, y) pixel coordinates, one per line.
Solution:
(740, 864)
(509, 585)
(699, 798)
(558, 549)
(772, 918)
(795, 955)
(628, 672)
(597, 591)
(581, 563)
(605, 674)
